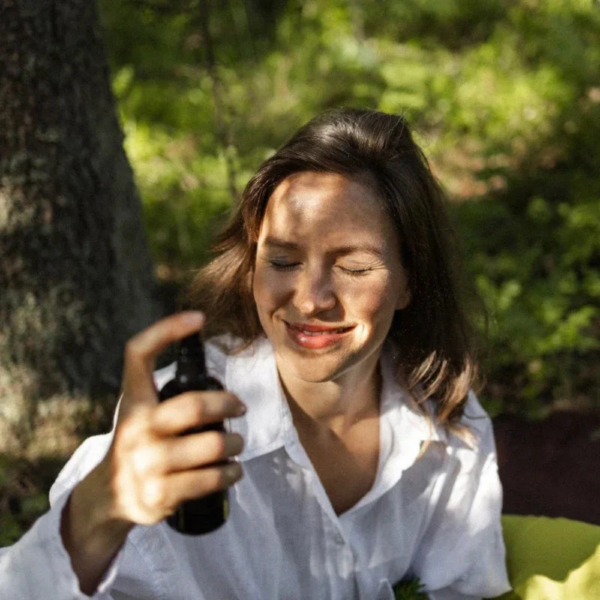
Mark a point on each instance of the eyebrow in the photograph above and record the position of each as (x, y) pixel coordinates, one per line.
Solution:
(273, 242)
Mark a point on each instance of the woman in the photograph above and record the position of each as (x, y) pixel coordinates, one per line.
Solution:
(335, 317)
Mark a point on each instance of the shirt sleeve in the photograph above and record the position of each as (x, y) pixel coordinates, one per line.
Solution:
(38, 566)
(462, 554)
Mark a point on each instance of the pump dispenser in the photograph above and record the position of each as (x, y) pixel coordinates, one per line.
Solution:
(206, 514)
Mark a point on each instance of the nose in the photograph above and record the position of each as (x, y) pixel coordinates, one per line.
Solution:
(314, 292)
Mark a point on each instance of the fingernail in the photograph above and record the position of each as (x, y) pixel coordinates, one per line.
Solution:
(193, 317)
(233, 471)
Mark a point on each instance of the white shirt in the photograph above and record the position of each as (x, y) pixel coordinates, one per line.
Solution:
(436, 517)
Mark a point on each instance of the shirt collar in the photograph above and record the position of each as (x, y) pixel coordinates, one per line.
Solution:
(252, 375)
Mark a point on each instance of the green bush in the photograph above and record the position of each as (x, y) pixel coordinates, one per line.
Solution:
(504, 98)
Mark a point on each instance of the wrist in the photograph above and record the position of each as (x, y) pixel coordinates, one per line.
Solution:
(90, 532)
(90, 513)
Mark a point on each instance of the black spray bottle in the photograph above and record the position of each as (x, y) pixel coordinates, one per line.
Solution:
(206, 514)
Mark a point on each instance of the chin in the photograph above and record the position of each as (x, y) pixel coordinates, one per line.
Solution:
(314, 368)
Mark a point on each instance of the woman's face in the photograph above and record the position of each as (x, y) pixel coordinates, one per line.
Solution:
(328, 276)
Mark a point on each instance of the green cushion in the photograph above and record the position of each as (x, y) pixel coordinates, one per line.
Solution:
(552, 559)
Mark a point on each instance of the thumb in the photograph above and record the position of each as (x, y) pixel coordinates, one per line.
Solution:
(141, 352)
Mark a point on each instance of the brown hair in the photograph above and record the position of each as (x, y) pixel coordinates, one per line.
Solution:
(433, 335)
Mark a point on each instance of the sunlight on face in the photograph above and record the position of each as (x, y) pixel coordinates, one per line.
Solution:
(328, 276)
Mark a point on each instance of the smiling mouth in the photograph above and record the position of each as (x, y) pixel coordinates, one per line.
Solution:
(316, 337)
(316, 330)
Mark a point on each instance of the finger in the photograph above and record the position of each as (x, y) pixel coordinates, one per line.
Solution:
(164, 494)
(195, 484)
(193, 409)
(185, 452)
(201, 449)
(142, 349)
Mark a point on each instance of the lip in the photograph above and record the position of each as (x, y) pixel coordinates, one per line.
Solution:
(315, 337)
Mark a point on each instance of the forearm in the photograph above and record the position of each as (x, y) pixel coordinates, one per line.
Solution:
(91, 536)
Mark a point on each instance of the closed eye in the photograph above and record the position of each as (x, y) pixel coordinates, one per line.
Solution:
(282, 266)
(355, 272)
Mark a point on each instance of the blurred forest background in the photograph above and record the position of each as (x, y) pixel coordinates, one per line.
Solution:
(504, 97)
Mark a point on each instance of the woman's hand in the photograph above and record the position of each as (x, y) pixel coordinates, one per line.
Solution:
(150, 468)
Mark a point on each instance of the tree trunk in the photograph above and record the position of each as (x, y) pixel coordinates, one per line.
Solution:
(76, 278)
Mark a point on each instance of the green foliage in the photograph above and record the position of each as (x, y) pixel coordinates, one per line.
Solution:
(409, 590)
(21, 503)
(505, 100)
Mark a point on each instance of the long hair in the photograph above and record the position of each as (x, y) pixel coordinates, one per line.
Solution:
(433, 336)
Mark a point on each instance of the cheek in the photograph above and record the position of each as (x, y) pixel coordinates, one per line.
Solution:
(268, 290)
(372, 301)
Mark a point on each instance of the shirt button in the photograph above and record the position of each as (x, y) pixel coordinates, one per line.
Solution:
(338, 539)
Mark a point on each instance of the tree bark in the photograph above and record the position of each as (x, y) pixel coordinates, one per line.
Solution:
(76, 277)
